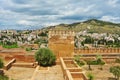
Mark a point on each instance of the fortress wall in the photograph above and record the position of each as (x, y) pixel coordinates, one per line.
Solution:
(100, 50)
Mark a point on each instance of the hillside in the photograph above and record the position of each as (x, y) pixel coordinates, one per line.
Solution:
(91, 26)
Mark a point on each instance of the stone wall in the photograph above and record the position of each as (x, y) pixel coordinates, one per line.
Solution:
(100, 50)
(33, 46)
(73, 71)
(21, 58)
(1, 47)
(18, 54)
(9, 64)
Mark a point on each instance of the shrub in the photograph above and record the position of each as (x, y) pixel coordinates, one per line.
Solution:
(28, 49)
(117, 60)
(116, 71)
(90, 76)
(11, 45)
(91, 62)
(45, 57)
(79, 62)
(1, 63)
(3, 77)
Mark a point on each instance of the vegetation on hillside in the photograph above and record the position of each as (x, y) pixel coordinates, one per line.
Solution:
(9, 44)
(92, 25)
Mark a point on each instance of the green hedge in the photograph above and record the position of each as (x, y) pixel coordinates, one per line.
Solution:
(10, 46)
(45, 57)
(3, 77)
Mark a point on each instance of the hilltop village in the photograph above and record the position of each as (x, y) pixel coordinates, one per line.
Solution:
(79, 55)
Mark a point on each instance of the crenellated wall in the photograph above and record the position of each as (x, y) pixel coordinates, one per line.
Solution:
(100, 50)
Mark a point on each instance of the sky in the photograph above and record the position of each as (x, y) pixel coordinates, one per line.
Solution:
(36, 14)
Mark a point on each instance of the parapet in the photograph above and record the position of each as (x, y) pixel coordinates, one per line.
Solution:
(61, 33)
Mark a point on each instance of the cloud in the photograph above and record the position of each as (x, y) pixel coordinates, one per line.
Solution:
(111, 19)
(24, 22)
(39, 13)
(113, 2)
(20, 1)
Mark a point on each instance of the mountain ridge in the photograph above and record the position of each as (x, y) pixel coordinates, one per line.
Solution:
(91, 25)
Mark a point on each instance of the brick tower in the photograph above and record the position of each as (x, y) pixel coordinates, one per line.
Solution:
(61, 42)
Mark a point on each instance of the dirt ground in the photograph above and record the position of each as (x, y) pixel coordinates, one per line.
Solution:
(100, 74)
(19, 73)
(52, 73)
(49, 73)
(55, 72)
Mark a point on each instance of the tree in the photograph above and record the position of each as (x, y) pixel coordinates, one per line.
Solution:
(1, 63)
(45, 57)
(89, 40)
(117, 60)
(116, 71)
(79, 62)
(89, 63)
(90, 76)
(100, 61)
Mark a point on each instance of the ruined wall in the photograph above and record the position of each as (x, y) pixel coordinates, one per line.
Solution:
(61, 42)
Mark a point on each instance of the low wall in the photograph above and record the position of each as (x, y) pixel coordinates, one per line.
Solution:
(22, 58)
(34, 73)
(78, 76)
(73, 71)
(109, 59)
(9, 64)
(28, 65)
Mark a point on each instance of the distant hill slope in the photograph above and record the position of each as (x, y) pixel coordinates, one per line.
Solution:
(91, 26)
